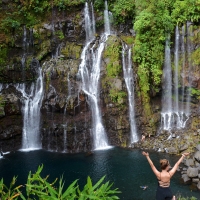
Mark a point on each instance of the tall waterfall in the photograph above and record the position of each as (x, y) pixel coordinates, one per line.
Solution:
(174, 115)
(179, 112)
(106, 19)
(89, 71)
(31, 104)
(189, 47)
(166, 114)
(129, 80)
(25, 48)
(183, 67)
(176, 75)
(64, 138)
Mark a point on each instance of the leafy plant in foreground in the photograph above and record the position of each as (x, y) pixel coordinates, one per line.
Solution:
(10, 192)
(40, 188)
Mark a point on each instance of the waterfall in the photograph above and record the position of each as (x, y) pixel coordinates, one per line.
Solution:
(183, 67)
(129, 80)
(178, 114)
(166, 114)
(176, 76)
(65, 138)
(25, 45)
(25, 41)
(69, 87)
(89, 23)
(89, 70)
(174, 116)
(56, 51)
(106, 19)
(189, 50)
(31, 104)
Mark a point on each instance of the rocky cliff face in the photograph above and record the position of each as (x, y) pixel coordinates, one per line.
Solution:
(66, 117)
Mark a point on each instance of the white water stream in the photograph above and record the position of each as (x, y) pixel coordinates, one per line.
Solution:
(129, 80)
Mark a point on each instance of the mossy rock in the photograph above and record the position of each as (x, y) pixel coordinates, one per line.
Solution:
(72, 50)
(112, 81)
(112, 55)
(45, 49)
(128, 39)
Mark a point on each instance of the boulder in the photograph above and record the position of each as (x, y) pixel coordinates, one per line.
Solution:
(172, 150)
(195, 180)
(197, 156)
(198, 146)
(183, 147)
(185, 178)
(189, 162)
(198, 185)
(192, 172)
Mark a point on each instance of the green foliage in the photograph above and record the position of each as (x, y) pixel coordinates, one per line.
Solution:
(151, 25)
(31, 12)
(186, 10)
(112, 52)
(99, 5)
(186, 198)
(40, 188)
(98, 191)
(195, 92)
(128, 39)
(3, 55)
(117, 96)
(11, 22)
(123, 10)
(60, 34)
(10, 192)
(72, 50)
(2, 102)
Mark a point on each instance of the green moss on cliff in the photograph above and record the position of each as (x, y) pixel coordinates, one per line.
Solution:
(195, 93)
(72, 50)
(112, 52)
(2, 104)
(3, 55)
(112, 81)
(117, 96)
(128, 39)
(44, 49)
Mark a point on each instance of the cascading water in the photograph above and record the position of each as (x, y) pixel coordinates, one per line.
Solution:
(89, 23)
(25, 45)
(31, 104)
(129, 80)
(173, 115)
(106, 19)
(56, 52)
(183, 67)
(176, 76)
(189, 51)
(89, 71)
(179, 113)
(166, 114)
(65, 138)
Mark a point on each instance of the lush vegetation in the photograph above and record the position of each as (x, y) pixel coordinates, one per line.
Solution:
(38, 187)
(152, 21)
(186, 198)
(31, 12)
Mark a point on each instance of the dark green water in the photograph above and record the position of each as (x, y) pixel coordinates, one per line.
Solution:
(127, 169)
